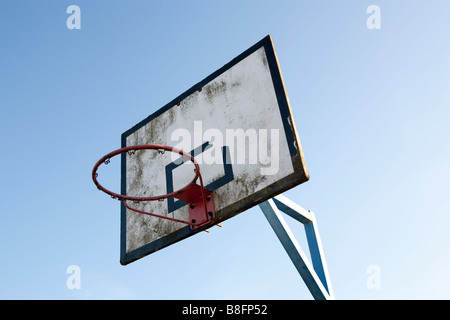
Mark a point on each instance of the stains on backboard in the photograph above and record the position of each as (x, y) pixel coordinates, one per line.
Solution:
(213, 89)
(263, 58)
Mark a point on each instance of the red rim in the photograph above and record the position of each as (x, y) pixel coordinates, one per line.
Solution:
(158, 147)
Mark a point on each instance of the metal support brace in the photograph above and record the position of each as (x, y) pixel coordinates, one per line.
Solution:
(315, 276)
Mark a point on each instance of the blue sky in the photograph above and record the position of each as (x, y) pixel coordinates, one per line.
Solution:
(371, 107)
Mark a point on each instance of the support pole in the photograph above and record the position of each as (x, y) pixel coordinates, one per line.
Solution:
(315, 276)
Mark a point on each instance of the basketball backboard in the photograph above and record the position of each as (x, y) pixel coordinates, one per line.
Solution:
(238, 125)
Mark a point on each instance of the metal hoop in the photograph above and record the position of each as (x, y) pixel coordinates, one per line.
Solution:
(144, 147)
(161, 149)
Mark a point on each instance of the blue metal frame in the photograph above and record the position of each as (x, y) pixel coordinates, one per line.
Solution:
(315, 276)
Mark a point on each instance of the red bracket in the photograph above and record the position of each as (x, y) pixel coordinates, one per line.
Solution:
(200, 204)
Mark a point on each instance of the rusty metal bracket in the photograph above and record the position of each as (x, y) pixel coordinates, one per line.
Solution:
(200, 203)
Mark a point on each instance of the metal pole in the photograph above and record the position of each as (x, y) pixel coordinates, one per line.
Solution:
(314, 275)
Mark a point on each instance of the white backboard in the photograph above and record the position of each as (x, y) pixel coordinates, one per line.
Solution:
(238, 124)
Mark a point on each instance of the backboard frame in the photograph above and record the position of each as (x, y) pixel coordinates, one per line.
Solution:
(299, 175)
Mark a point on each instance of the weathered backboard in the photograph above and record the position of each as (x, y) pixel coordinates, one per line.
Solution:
(238, 124)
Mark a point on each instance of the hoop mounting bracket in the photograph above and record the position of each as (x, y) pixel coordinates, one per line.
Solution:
(200, 204)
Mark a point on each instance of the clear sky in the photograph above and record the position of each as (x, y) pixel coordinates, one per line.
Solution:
(372, 107)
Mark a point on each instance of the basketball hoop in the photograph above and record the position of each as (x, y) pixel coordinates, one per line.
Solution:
(199, 199)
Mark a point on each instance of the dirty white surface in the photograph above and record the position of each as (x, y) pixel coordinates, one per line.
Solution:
(241, 98)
